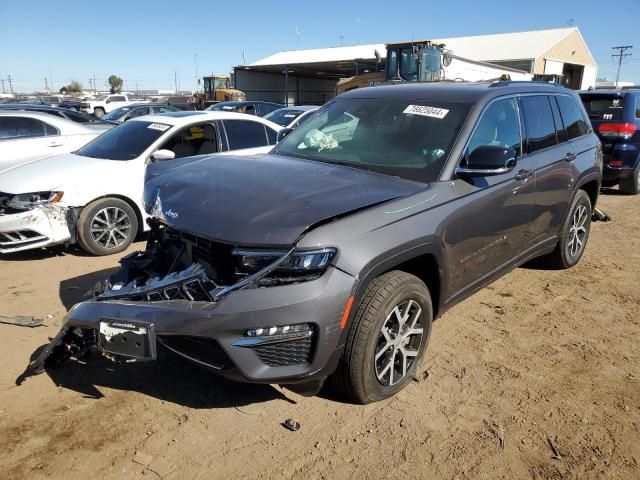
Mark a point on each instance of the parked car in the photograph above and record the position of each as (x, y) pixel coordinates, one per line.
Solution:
(291, 117)
(26, 136)
(259, 109)
(183, 102)
(615, 115)
(69, 114)
(331, 257)
(122, 114)
(105, 103)
(59, 101)
(93, 196)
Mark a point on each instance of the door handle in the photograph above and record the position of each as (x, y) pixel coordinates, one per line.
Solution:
(569, 157)
(54, 144)
(524, 174)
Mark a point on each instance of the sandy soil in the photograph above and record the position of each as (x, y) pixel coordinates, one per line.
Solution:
(538, 355)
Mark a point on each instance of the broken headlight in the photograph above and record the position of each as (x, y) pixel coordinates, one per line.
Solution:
(26, 201)
(299, 266)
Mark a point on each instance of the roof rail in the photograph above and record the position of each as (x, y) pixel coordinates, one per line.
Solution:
(505, 83)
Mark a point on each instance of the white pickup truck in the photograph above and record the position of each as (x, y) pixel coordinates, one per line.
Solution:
(105, 103)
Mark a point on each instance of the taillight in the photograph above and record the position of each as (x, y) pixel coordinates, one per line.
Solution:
(616, 163)
(625, 130)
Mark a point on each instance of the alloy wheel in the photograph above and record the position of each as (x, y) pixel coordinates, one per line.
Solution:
(399, 342)
(577, 231)
(110, 227)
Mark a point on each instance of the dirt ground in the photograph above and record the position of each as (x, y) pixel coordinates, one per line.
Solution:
(538, 358)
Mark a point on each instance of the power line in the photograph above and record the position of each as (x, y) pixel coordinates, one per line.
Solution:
(621, 55)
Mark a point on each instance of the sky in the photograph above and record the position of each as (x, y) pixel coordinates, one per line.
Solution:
(150, 44)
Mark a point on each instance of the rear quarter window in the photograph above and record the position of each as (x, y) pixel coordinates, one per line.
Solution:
(572, 116)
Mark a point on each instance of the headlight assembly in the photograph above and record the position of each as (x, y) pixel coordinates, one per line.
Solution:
(26, 201)
(298, 266)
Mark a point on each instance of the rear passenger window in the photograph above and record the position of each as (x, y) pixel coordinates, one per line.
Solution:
(245, 134)
(499, 126)
(23, 127)
(538, 119)
(574, 122)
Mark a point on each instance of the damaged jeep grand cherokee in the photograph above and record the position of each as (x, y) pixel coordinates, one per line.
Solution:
(331, 256)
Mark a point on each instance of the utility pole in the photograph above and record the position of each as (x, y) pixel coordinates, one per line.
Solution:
(175, 81)
(46, 85)
(51, 78)
(94, 85)
(621, 55)
(2, 80)
(10, 84)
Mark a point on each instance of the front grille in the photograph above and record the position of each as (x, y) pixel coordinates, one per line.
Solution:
(292, 352)
(20, 238)
(202, 349)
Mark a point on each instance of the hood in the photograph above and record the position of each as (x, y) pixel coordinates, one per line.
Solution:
(261, 200)
(60, 171)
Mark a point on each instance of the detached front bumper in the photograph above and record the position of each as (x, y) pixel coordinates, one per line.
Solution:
(35, 228)
(214, 334)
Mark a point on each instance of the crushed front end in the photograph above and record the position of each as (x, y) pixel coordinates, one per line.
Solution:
(252, 314)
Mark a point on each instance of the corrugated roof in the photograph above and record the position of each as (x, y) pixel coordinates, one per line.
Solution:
(506, 46)
(498, 46)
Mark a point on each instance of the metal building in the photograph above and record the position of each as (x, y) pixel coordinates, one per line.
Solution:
(300, 77)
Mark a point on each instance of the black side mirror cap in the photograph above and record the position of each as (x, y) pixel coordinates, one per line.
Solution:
(283, 133)
(489, 160)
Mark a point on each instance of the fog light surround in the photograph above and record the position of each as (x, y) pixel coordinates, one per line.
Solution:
(282, 330)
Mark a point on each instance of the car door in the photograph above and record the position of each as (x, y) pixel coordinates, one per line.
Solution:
(246, 137)
(23, 139)
(495, 210)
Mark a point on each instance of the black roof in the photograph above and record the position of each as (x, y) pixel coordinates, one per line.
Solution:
(32, 106)
(453, 91)
(183, 113)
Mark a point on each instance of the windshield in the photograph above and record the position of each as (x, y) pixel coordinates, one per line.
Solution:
(124, 142)
(283, 116)
(220, 83)
(604, 107)
(117, 113)
(404, 138)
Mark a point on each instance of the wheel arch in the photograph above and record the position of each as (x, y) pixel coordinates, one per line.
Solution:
(592, 188)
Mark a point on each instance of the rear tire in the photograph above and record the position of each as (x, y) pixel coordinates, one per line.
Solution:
(574, 234)
(107, 226)
(98, 112)
(631, 185)
(383, 352)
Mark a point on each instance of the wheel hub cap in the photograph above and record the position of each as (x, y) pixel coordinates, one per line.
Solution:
(577, 231)
(398, 343)
(110, 227)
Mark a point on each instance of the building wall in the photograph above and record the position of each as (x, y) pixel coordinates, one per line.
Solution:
(571, 49)
(271, 87)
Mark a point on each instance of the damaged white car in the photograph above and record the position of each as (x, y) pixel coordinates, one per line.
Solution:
(94, 195)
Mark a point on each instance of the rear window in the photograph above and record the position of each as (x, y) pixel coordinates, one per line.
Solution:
(604, 107)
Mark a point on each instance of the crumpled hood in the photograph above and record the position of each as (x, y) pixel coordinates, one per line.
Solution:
(57, 172)
(261, 200)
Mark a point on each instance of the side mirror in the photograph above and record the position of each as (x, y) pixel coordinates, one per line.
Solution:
(489, 160)
(108, 100)
(160, 155)
(283, 133)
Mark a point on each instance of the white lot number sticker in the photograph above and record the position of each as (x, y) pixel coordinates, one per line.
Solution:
(425, 111)
(158, 126)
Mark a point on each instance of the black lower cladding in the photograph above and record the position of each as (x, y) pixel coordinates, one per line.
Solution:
(291, 352)
(202, 349)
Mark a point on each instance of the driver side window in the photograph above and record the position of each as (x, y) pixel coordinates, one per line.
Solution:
(498, 126)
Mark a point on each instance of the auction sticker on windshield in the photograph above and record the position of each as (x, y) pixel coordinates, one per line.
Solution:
(159, 126)
(426, 111)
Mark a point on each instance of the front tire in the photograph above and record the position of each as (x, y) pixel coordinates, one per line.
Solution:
(388, 336)
(107, 226)
(98, 112)
(631, 185)
(574, 234)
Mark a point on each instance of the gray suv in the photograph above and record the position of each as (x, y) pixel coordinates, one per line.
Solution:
(331, 256)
